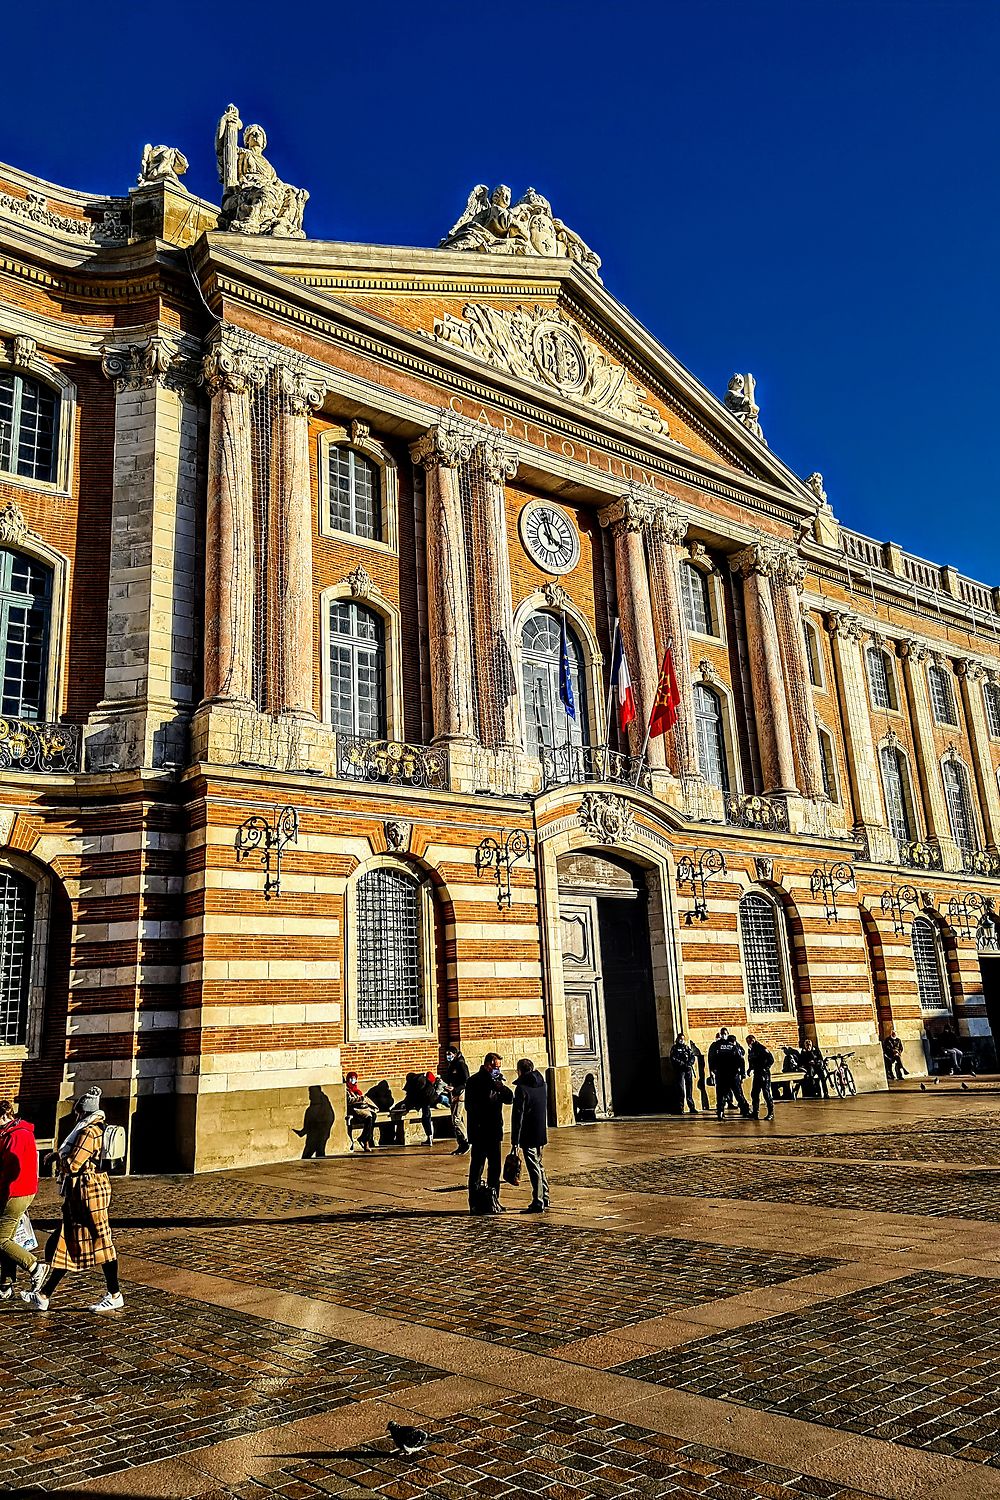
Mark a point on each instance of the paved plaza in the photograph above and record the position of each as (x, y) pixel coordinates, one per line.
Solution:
(723, 1310)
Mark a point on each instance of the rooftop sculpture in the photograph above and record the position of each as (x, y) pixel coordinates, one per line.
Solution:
(740, 401)
(491, 224)
(255, 200)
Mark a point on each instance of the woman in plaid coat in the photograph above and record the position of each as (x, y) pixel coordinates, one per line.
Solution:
(83, 1239)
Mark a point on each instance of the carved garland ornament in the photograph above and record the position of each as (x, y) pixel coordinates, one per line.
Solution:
(544, 345)
(13, 527)
(606, 817)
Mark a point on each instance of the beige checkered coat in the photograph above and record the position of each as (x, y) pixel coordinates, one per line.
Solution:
(85, 1235)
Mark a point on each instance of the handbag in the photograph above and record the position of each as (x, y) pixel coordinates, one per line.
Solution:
(512, 1167)
(24, 1235)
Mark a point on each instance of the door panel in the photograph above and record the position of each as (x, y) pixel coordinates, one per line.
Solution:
(583, 991)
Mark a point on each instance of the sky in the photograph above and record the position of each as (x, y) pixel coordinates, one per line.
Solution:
(803, 189)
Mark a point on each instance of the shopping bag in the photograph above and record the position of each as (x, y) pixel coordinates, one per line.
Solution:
(24, 1235)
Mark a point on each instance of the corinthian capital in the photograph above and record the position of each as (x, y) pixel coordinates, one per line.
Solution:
(232, 365)
(770, 557)
(300, 392)
(975, 671)
(634, 511)
(448, 445)
(911, 650)
(499, 461)
(156, 360)
(850, 627)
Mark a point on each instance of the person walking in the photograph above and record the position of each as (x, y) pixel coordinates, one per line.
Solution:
(759, 1064)
(83, 1239)
(18, 1186)
(317, 1122)
(892, 1051)
(529, 1130)
(362, 1113)
(685, 1060)
(726, 1061)
(485, 1096)
(456, 1076)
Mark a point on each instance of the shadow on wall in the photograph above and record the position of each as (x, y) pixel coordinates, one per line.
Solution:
(317, 1123)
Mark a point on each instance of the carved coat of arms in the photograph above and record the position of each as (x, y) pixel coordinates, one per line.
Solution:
(607, 817)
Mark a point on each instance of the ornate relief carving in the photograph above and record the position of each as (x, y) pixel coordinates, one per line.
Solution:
(815, 483)
(300, 392)
(450, 444)
(22, 351)
(740, 401)
(233, 366)
(489, 223)
(13, 527)
(162, 164)
(607, 817)
(707, 672)
(556, 596)
(361, 584)
(255, 200)
(397, 836)
(700, 557)
(772, 558)
(763, 867)
(544, 345)
(34, 209)
(975, 671)
(158, 358)
(911, 650)
(852, 627)
(636, 510)
(499, 461)
(360, 433)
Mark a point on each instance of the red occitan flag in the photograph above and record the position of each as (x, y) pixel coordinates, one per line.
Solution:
(664, 715)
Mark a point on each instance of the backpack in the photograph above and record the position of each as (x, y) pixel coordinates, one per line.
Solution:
(113, 1145)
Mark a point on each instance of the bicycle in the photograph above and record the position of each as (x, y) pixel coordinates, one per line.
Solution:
(838, 1073)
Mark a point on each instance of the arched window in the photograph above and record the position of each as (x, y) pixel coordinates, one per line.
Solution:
(357, 670)
(549, 723)
(991, 698)
(896, 788)
(813, 658)
(355, 493)
(390, 965)
(881, 682)
(27, 427)
(960, 814)
(763, 954)
(828, 764)
(696, 591)
(25, 609)
(942, 697)
(712, 762)
(17, 909)
(928, 961)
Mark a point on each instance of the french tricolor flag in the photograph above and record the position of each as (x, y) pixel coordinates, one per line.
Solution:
(621, 685)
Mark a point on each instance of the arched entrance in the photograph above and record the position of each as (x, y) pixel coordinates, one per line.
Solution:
(611, 924)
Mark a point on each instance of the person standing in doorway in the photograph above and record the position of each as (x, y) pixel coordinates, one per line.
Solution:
(726, 1060)
(529, 1130)
(456, 1076)
(18, 1186)
(685, 1060)
(892, 1051)
(485, 1096)
(759, 1064)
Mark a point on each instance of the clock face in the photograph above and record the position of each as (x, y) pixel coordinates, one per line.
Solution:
(549, 538)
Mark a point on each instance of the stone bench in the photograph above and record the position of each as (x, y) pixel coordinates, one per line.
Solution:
(393, 1128)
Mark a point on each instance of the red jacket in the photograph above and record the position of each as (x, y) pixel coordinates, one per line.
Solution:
(18, 1161)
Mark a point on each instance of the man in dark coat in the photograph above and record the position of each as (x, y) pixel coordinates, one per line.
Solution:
(485, 1096)
(529, 1130)
(456, 1076)
(684, 1059)
(892, 1051)
(726, 1060)
(759, 1064)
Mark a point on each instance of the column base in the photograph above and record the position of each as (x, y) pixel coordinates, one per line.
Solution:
(231, 734)
(129, 737)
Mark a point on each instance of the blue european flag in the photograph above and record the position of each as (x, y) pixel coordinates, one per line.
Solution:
(565, 680)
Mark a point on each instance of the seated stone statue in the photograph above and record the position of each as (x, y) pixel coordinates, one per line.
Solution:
(255, 201)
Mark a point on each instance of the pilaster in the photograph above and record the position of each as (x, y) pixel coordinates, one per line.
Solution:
(914, 655)
(756, 565)
(499, 703)
(972, 675)
(667, 531)
(290, 680)
(848, 633)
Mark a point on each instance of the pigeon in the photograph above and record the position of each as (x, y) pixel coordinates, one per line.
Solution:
(923, 1088)
(965, 1087)
(408, 1440)
(935, 1081)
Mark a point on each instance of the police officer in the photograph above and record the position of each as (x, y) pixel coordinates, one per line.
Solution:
(727, 1061)
(760, 1062)
(684, 1058)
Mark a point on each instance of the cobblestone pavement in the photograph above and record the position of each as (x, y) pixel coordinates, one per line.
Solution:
(969, 1194)
(475, 1276)
(532, 1447)
(977, 1147)
(917, 1362)
(195, 1200)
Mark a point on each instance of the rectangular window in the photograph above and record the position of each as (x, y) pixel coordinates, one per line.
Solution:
(897, 799)
(759, 929)
(879, 680)
(942, 698)
(827, 765)
(355, 494)
(389, 960)
(27, 427)
(16, 910)
(956, 791)
(991, 695)
(697, 603)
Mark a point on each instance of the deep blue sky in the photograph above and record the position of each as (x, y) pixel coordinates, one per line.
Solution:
(803, 189)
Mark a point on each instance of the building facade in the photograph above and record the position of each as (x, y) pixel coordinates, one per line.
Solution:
(300, 542)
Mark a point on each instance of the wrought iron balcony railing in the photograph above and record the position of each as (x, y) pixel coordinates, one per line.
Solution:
(30, 745)
(565, 765)
(981, 862)
(748, 810)
(920, 856)
(392, 763)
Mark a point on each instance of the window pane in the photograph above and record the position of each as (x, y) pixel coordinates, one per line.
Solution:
(36, 431)
(812, 655)
(991, 694)
(549, 724)
(956, 791)
(357, 670)
(16, 913)
(879, 680)
(355, 494)
(926, 961)
(759, 930)
(710, 737)
(827, 765)
(942, 699)
(25, 589)
(697, 600)
(895, 783)
(390, 987)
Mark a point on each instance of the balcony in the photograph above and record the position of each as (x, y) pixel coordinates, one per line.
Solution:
(32, 745)
(570, 765)
(920, 856)
(748, 810)
(981, 862)
(392, 763)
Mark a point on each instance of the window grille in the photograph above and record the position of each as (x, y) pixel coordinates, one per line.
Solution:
(812, 655)
(25, 607)
(880, 678)
(390, 977)
(16, 917)
(710, 737)
(355, 494)
(549, 725)
(357, 670)
(942, 698)
(927, 962)
(960, 815)
(896, 786)
(991, 697)
(762, 953)
(697, 592)
(827, 765)
(27, 427)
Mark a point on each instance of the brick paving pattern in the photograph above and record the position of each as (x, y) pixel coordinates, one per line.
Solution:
(524, 1446)
(86, 1396)
(510, 1282)
(172, 1200)
(914, 1362)
(967, 1195)
(981, 1147)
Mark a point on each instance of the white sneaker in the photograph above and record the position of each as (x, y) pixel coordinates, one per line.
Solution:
(6, 1292)
(38, 1275)
(35, 1300)
(110, 1302)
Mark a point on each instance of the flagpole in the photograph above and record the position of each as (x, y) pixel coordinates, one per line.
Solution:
(611, 689)
(649, 721)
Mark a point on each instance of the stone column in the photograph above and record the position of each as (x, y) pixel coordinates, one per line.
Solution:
(972, 674)
(848, 633)
(149, 675)
(291, 668)
(787, 583)
(500, 727)
(914, 655)
(231, 372)
(441, 451)
(667, 531)
(629, 519)
(756, 565)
